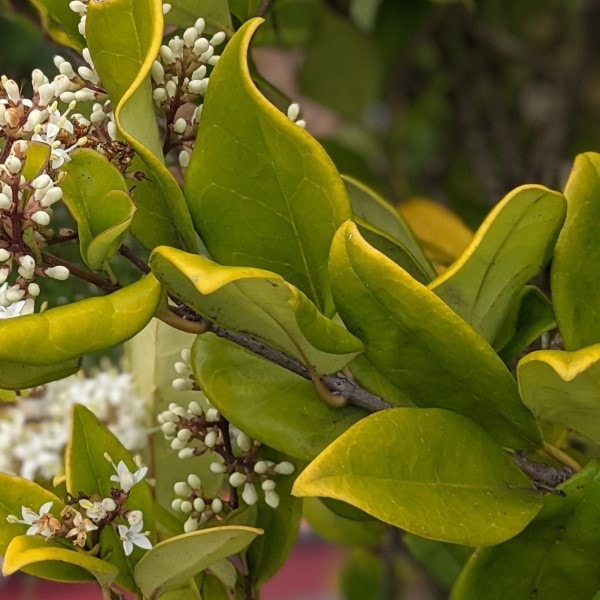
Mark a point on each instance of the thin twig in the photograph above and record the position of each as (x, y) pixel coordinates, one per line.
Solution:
(127, 253)
(100, 282)
(264, 7)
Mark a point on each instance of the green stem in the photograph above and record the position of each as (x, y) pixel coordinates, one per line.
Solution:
(561, 457)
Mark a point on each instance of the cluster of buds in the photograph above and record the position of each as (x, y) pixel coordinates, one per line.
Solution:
(293, 114)
(180, 76)
(84, 531)
(196, 430)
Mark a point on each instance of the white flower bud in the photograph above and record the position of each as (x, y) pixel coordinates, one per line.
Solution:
(158, 72)
(244, 443)
(190, 35)
(284, 468)
(184, 435)
(199, 73)
(111, 129)
(108, 504)
(190, 525)
(293, 111)
(33, 289)
(180, 125)
(47, 93)
(201, 45)
(4, 271)
(237, 479)
(216, 505)
(87, 57)
(217, 468)
(78, 7)
(206, 55)
(160, 94)
(249, 495)
(27, 262)
(176, 504)
(212, 415)
(198, 86)
(171, 87)
(272, 499)
(37, 78)
(186, 507)
(41, 181)
(194, 481)
(4, 254)
(12, 90)
(5, 202)
(169, 428)
(13, 164)
(167, 55)
(185, 453)
(181, 368)
(218, 38)
(213, 60)
(180, 384)
(35, 117)
(199, 505)
(176, 45)
(67, 97)
(301, 123)
(184, 159)
(81, 25)
(84, 95)
(14, 294)
(210, 439)
(87, 74)
(52, 196)
(97, 116)
(66, 69)
(200, 24)
(177, 444)
(261, 467)
(268, 485)
(134, 516)
(58, 272)
(182, 488)
(41, 218)
(195, 408)
(61, 84)
(196, 114)
(186, 355)
(166, 8)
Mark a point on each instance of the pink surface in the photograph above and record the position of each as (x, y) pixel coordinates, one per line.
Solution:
(310, 574)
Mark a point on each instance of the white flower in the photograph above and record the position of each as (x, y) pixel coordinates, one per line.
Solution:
(14, 309)
(133, 535)
(81, 527)
(42, 522)
(124, 476)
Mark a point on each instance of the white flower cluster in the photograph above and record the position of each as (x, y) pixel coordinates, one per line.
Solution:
(34, 429)
(100, 512)
(180, 76)
(195, 430)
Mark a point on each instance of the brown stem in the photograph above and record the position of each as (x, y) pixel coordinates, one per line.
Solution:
(127, 253)
(103, 284)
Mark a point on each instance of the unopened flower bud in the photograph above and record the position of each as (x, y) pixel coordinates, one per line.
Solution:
(198, 86)
(190, 525)
(184, 159)
(58, 272)
(41, 218)
(218, 38)
(134, 516)
(212, 415)
(199, 505)
(14, 294)
(244, 443)
(169, 428)
(210, 439)
(185, 453)
(160, 94)
(186, 507)
(195, 408)
(249, 494)
(237, 479)
(176, 504)
(184, 435)
(261, 467)
(4, 254)
(194, 481)
(52, 196)
(5, 202)
(284, 468)
(33, 289)
(200, 24)
(158, 72)
(47, 93)
(201, 45)
(180, 125)
(167, 54)
(13, 164)
(268, 485)
(272, 498)
(190, 35)
(166, 8)
(216, 505)
(293, 111)
(41, 181)
(217, 468)
(37, 78)
(182, 488)
(78, 7)
(12, 90)
(180, 384)
(108, 504)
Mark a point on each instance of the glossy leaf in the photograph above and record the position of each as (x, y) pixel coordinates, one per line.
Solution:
(269, 552)
(88, 472)
(270, 403)
(34, 555)
(60, 22)
(38, 155)
(443, 236)
(437, 361)
(16, 376)
(512, 246)
(262, 192)
(15, 493)
(96, 195)
(259, 303)
(554, 558)
(372, 208)
(123, 60)
(173, 561)
(563, 387)
(575, 276)
(184, 13)
(430, 472)
(81, 327)
(529, 316)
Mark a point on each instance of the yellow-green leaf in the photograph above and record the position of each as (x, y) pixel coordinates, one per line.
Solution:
(512, 246)
(262, 192)
(259, 303)
(431, 472)
(564, 387)
(421, 346)
(575, 274)
(18, 376)
(124, 37)
(173, 561)
(65, 333)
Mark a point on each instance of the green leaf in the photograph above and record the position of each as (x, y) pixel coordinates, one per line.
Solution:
(36, 556)
(88, 472)
(563, 387)
(173, 561)
(16, 493)
(124, 38)
(259, 303)
(554, 558)
(530, 315)
(81, 327)
(17, 376)
(268, 552)
(60, 22)
(431, 472)
(269, 403)
(184, 13)
(362, 576)
(512, 246)
(38, 155)
(262, 192)
(575, 276)
(96, 195)
(372, 208)
(338, 530)
(436, 361)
